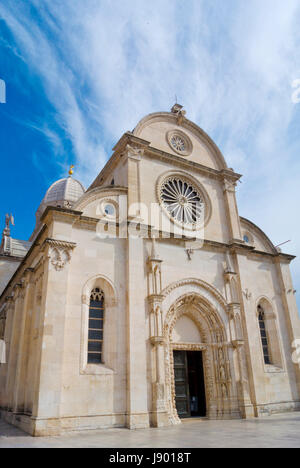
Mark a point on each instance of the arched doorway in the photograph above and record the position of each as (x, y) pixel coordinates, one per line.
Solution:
(190, 396)
(197, 343)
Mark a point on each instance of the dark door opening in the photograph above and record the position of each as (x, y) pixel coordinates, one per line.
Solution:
(189, 384)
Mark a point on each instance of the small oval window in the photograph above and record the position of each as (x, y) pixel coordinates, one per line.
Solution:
(246, 239)
(109, 209)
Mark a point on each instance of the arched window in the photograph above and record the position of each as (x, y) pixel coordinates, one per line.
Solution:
(263, 334)
(96, 319)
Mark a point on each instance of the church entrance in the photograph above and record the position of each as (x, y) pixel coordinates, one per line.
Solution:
(189, 384)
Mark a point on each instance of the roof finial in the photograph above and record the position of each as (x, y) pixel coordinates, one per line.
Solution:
(9, 220)
(177, 109)
(71, 172)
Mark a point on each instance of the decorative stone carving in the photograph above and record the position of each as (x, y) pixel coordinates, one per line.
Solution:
(154, 267)
(177, 109)
(195, 282)
(214, 345)
(229, 186)
(247, 294)
(85, 300)
(59, 252)
(134, 152)
(189, 253)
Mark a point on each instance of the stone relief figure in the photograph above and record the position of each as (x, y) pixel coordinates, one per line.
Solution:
(224, 391)
(222, 373)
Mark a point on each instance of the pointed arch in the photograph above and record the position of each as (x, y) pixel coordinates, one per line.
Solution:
(221, 393)
(97, 287)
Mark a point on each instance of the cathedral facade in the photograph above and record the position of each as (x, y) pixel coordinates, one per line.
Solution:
(146, 299)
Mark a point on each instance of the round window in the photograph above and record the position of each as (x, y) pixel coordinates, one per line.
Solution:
(182, 201)
(179, 142)
(109, 209)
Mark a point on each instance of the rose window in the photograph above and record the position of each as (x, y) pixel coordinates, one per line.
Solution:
(182, 201)
(178, 143)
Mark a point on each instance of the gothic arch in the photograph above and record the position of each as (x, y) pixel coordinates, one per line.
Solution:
(196, 282)
(110, 322)
(220, 391)
(104, 283)
(272, 329)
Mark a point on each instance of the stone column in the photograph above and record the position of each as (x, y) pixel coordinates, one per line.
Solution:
(13, 348)
(241, 345)
(22, 353)
(291, 311)
(137, 408)
(32, 349)
(159, 413)
(9, 313)
(237, 339)
(232, 210)
(47, 399)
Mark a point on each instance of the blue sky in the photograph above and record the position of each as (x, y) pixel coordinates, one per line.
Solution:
(81, 73)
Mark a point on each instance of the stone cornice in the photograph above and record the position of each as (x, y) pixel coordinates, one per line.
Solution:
(52, 211)
(224, 174)
(10, 258)
(105, 191)
(59, 244)
(22, 266)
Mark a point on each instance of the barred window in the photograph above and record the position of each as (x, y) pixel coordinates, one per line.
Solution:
(96, 319)
(263, 334)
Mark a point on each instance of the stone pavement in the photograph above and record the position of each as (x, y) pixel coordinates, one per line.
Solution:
(275, 431)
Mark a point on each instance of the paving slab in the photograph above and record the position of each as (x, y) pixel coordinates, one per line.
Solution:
(271, 432)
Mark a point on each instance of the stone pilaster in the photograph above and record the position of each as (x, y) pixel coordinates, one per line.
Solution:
(137, 410)
(47, 399)
(134, 156)
(22, 355)
(291, 312)
(232, 210)
(18, 294)
(159, 413)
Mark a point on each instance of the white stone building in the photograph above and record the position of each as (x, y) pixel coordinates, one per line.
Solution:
(190, 313)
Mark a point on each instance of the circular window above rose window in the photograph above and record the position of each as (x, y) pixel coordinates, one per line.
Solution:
(179, 142)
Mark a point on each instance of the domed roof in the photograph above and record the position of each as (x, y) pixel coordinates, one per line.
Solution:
(64, 194)
(64, 191)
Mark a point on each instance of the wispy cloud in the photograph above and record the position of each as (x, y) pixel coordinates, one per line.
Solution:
(104, 65)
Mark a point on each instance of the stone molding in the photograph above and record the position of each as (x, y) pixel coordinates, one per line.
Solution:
(221, 396)
(59, 252)
(197, 282)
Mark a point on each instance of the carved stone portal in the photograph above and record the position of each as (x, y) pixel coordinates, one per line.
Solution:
(221, 393)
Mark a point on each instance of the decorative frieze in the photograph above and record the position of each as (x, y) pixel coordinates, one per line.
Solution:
(59, 252)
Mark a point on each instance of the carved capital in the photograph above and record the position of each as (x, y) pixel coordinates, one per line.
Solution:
(229, 275)
(238, 344)
(233, 309)
(85, 300)
(229, 186)
(134, 153)
(157, 340)
(155, 299)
